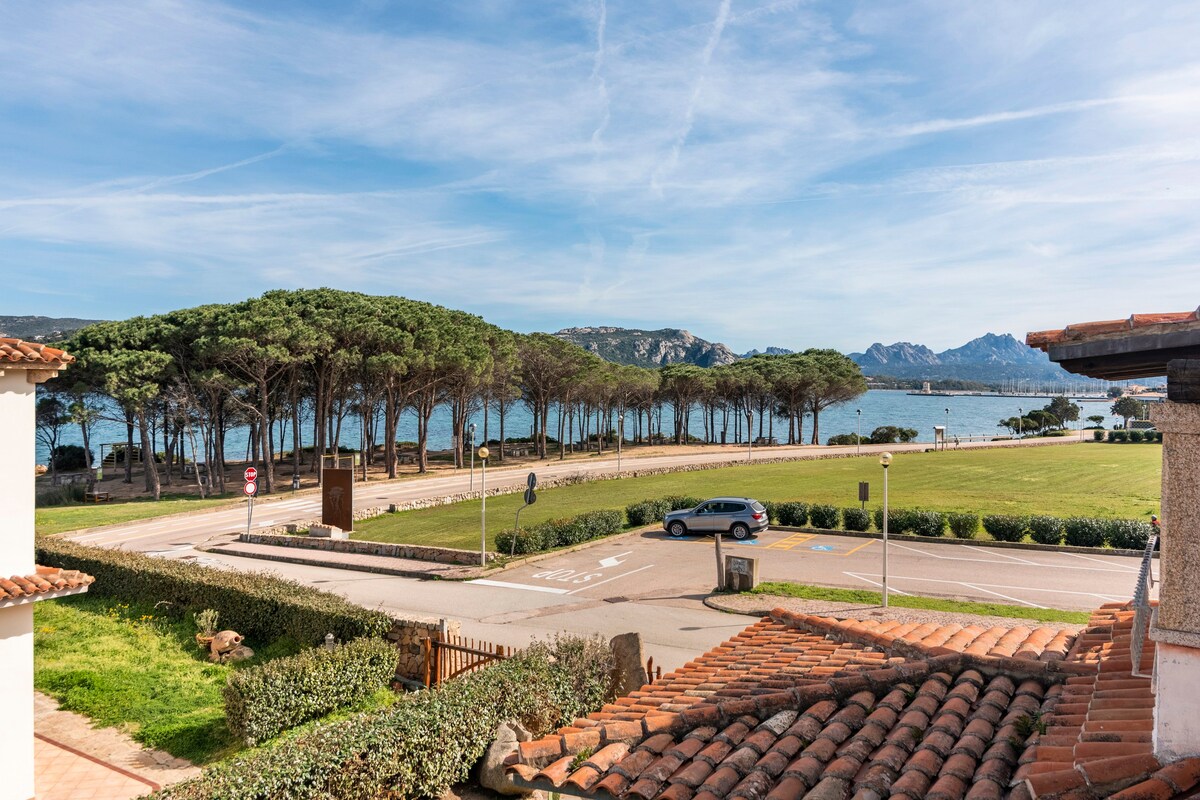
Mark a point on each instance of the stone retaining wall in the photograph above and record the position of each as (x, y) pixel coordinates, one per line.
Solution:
(407, 636)
(441, 555)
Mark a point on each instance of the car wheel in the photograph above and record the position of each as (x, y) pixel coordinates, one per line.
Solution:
(739, 531)
(677, 529)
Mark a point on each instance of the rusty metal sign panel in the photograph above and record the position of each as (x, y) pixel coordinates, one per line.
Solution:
(337, 498)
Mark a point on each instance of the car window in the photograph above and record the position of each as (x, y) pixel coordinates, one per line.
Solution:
(757, 506)
(734, 508)
(705, 508)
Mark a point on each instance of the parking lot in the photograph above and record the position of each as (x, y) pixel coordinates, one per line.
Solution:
(648, 563)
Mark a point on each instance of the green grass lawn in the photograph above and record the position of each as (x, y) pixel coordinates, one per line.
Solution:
(868, 597)
(131, 667)
(59, 519)
(1063, 480)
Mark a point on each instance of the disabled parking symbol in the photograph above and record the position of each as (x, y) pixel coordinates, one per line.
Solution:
(822, 548)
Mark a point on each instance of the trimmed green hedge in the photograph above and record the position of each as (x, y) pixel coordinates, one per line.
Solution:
(1005, 527)
(424, 743)
(1046, 530)
(823, 516)
(963, 526)
(856, 519)
(258, 605)
(560, 532)
(1085, 531)
(263, 701)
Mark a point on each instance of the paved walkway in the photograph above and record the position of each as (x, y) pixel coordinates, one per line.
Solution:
(75, 761)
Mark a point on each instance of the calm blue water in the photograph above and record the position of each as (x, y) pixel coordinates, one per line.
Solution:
(969, 416)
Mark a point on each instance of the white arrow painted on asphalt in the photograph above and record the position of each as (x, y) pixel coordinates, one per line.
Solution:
(613, 561)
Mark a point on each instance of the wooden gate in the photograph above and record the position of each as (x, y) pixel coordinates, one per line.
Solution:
(448, 657)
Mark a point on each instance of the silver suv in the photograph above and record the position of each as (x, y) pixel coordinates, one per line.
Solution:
(739, 516)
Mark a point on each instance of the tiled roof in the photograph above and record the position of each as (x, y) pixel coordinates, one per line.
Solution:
(45, 580)
(1144, 323)
(809, 707)
(15, 351)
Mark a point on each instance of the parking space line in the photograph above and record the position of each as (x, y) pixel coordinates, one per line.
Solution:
(860, 547)
(990, 561)
(891, 589)
(992, 585)
(1098, 561)
(791, 542)
(606, 580)
(1002, 555)
(1002, 596)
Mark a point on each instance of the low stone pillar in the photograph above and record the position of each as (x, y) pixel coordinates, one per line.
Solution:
(1176, 626)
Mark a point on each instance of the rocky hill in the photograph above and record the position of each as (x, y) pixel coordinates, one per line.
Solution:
(41, 329)
(991, 357)
(770, 351)
(649, 348)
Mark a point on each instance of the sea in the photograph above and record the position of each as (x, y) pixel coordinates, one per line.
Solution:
(963, 416)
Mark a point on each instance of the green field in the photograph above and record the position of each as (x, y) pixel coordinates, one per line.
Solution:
(869, 598)
(59, 519)
(1062, 480)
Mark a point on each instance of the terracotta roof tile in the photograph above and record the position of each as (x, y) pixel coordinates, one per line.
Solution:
(20, 353)
(44, 581)
(1042, 340)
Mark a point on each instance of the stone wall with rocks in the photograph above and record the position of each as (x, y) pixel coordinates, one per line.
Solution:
(407, 635)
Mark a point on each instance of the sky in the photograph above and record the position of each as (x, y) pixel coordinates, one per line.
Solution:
(795, 174)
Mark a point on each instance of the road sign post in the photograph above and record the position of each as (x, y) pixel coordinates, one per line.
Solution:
(483, 456)
(530, 499)
(250, 489)
(864, 493)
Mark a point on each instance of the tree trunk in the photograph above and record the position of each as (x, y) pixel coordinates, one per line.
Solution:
(152, 482)
(129, 447)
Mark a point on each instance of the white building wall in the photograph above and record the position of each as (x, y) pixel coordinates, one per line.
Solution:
(16, 558)
(17, 462)
(16, 701)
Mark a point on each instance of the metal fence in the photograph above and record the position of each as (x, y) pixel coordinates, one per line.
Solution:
(1142, 608)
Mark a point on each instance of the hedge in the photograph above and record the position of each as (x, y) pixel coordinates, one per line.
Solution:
(424, 743)
(963, 526)
(258, 605)
(1128, 534)
(560, 532)
(264, 701)
(1005, 527)
(1085, 531)
(856, 519)
(1046, 530)
(793, 513)
(823, 516)
(647, 512)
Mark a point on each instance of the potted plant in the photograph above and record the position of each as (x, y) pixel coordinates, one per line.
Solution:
(206, 622)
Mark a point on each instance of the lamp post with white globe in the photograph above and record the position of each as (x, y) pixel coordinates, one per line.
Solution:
(483, 456)
(885, 460)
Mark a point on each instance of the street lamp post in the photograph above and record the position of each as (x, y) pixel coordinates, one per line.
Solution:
(620, 436)
(471, 430)
(947, 432)
(483, 455)
(1020, 422)
(885, 459)
(858, 433)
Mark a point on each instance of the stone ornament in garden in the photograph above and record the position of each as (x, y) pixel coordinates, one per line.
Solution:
(227, 646)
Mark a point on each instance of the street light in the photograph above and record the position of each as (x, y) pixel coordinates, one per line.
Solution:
(858, 433)
(483, 455)
(1020, 422)
(620, 436)
(947, 431)
(471, 430)
(885, 460)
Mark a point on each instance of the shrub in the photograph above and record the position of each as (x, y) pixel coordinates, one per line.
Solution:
(856, 519)
(426, 741)
(845, 439)
(647, 512)
(1098, 435)
(677, 502)
(65, 495)
(824, 516)
(601, 523)
(258, 605)
(1046, 530)
(1128, 534)
(263, 701)
(900, 520)
(1118, 436)
(1085, 531)
(68, 457)
(793, 513)
(528, 540)
(1136, 437)
(929, 523)
(772, 510)
(1005, 527)
(1056, 432)
(963, 526)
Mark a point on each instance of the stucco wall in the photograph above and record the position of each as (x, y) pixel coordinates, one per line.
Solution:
(16, 700)
(16, 473)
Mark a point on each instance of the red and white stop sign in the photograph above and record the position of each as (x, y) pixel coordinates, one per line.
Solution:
(251, 474)
(250, 488)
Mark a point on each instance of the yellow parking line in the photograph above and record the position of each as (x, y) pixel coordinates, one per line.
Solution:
(791, 542)
(860, 547)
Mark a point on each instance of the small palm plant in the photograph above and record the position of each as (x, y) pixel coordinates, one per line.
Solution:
(206, 622)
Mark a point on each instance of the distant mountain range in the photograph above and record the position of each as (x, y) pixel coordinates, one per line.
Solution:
(991, 357)
(42, 329)
(649, 348)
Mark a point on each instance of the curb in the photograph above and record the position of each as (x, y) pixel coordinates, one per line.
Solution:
(908, 537)
(224, 549)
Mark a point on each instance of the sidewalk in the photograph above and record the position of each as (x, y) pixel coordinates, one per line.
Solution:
(75, 761)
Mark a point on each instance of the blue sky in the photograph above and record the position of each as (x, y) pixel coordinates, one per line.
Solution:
(762, 173)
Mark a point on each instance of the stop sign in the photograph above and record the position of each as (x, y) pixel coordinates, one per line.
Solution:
(251, 474)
